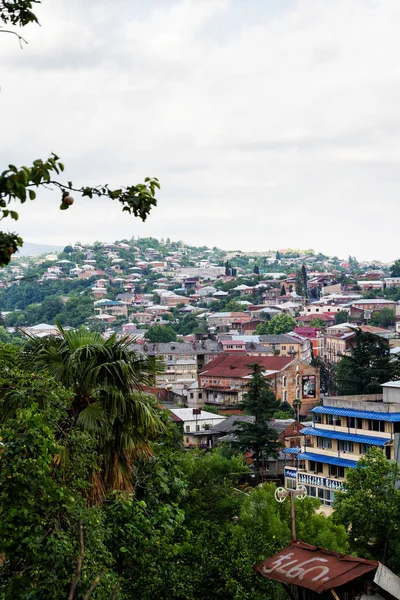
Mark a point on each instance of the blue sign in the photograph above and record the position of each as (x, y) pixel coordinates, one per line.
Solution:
(290, 473)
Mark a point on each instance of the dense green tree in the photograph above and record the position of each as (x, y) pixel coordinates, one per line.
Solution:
(317, 323)
(211, 478)
(260, 402)
(395, 269)
(342, 317)
(368, 366)
(281, 324)
(370, 508)
(102, 375)
(326, 373)
(161, 334)
(384, 318)
(233, 306)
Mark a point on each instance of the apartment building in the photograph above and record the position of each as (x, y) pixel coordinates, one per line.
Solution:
(344, 428)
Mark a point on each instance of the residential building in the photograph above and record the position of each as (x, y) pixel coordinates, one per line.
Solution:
(315, 337)
(288, 345)
(225, 319)
(318, 308)
(192, 421)
(182, 360)
(111, 307)
(343, 430)
(294, 381)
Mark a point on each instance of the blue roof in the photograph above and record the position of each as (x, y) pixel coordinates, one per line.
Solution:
(361, 414)
(291, 450)
(328, 460)
(347, 437)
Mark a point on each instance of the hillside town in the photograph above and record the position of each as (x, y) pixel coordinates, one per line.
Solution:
(208, 316)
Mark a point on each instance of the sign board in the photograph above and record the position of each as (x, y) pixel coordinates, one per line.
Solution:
(308, 386)
(324, 482)
(290, 472)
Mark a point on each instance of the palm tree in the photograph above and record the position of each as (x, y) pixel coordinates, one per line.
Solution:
(106, 379)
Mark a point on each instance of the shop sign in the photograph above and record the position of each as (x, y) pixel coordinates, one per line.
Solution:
(325, 482)
(290, 473)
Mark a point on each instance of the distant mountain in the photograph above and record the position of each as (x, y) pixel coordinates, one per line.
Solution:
(31, 249)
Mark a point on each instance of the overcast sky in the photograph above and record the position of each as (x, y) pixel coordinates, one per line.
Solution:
(270, 123)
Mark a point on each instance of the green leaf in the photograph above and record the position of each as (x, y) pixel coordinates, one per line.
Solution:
(32, 194)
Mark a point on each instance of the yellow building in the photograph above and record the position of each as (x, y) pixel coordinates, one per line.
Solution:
(343, 430)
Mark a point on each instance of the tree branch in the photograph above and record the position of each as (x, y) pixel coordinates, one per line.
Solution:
(115, 591)
(94, 585)
(20, 38)
(78, 563)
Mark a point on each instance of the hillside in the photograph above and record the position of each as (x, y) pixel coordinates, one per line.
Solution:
(32, 249)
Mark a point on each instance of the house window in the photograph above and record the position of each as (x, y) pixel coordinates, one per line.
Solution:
(351, 422)
(200, 395)
(335, 471)
(191, 395)
(364, 448)
(295, 429)
(317, 418)
(359, 423)
(283, 347)
(316, 467)
(375, 425)
(324, 443)
(197, 427)
(187, 428)
(285, 396)
(284, 381)
(297, 393)
(297, 379)
(345, 446)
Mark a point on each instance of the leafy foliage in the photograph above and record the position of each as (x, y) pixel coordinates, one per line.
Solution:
(19, 184)
(259, 401)
(102, 375)
(161, 333)
(277, 324)
(368, 366)
(370, 508)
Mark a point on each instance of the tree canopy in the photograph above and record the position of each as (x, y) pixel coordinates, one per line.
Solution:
(260, 402)
(370, 508)
(368, 366)
(277, 324)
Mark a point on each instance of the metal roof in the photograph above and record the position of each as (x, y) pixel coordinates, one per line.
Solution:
(347, 437)
(361, 414)
(327, 460)
(291, 450)
(323, 569)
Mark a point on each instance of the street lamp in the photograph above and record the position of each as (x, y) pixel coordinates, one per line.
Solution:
(282, 493)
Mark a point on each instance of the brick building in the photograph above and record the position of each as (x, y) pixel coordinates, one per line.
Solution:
(293, 380)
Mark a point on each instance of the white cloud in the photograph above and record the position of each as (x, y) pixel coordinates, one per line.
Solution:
(266, 127)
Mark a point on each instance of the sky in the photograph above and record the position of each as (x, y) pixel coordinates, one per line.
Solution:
(269, 123)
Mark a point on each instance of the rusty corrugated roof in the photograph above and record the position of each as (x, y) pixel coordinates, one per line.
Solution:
(314, 568)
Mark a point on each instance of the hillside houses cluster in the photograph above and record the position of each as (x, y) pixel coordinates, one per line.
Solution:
(225, 298)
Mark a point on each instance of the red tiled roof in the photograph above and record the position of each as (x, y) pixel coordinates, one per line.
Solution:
(233, 365)
(320, 316)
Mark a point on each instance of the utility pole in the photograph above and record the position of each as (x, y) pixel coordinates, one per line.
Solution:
(281, 494)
